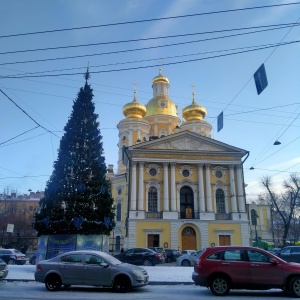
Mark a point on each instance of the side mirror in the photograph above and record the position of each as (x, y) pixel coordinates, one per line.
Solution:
(103, 264)
(273, 261)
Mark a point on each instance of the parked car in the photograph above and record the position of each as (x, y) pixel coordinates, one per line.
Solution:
(187, 258)
(290, 253)
(160, 250)
(141, 256)
(3, 269)
(236, 267)
(12, 256)
(93, 268)
(32, 259)
(172, 255)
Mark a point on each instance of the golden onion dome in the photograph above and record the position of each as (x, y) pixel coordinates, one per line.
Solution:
(161, 105)
(160, 77)
(134, 109)
(194, 111)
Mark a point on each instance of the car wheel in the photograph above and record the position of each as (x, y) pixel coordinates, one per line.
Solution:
(53, 282)
(219, 286)
(186, 263)
(122, 284)
(295, 287)
(33, 261)
(147, 262)
(11, 262)
(169, 260)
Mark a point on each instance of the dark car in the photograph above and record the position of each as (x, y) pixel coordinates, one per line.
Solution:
(141, 256)
(290, 253)
(92, 268)
(32, 259)
(13, 256)
(172, 255)
(236, 267)
(160, 250)
(3, 269)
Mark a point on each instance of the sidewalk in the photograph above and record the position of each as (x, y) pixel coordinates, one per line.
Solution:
(159, 275)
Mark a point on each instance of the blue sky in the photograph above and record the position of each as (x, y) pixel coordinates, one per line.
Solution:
(251, 122)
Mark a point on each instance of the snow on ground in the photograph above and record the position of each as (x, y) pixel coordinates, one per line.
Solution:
(156, 273)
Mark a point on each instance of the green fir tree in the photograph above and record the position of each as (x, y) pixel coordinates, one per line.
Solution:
(78, 196)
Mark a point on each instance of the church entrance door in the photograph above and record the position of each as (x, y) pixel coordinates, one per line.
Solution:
(188, 239)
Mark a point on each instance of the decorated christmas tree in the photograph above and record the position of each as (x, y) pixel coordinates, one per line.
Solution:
(78, 196)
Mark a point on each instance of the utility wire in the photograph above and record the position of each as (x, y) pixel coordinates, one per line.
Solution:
(39, 125)
(140, 61)
(151, 38)
(19, 135)
(162, 64)
(139, 49)
(149, 20)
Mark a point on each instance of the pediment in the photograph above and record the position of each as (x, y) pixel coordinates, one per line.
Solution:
(186, 141)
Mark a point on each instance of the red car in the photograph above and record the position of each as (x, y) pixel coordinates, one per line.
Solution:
(235, 267)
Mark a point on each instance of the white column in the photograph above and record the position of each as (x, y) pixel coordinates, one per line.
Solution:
(173, 189)
(240, 188)
(208, 188)
(201, 188)
(141, 186)
(166, 188)
(133, 186)
(232, 189)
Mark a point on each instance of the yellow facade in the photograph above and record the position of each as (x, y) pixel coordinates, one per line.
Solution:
(176, 187)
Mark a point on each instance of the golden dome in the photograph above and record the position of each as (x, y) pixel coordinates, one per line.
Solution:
(134, 109)
(160, 77)
(194, 111)
(161, 105)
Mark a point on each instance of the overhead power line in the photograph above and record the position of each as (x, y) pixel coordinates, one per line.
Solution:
(152, 38)
(139, 61)
(152, 66)
(39, 125)
(19, 135)
(149, 20)
(143, 48)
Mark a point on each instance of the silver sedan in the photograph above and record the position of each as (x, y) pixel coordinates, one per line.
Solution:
(188, 258)
(93, 268)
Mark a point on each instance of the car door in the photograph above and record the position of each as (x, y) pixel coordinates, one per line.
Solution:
(285, 254)
(139, 255)
(2, 255)
(96, 271)
(295, 254)
(127, 256)
(234, 264)
(71, 269)
(262, 270)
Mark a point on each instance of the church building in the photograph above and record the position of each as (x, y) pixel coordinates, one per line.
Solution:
(176, 187)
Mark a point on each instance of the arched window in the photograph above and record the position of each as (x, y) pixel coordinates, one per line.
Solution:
(152, 199)
(220, 201)
(119, 212)
(186, 203)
